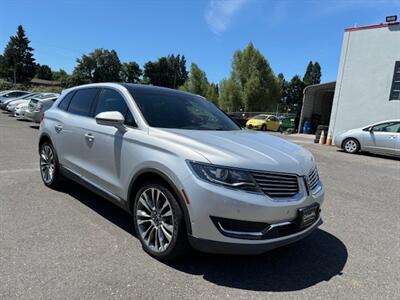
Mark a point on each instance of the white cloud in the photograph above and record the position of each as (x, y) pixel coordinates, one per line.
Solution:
(219, 14)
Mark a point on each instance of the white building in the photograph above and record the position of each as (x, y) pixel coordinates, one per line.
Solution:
(368, 82)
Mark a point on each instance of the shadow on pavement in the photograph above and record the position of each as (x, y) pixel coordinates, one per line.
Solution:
(388, 157)
(315, 259)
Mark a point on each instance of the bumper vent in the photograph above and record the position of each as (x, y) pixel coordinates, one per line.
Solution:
(277, 185)
(313, 181)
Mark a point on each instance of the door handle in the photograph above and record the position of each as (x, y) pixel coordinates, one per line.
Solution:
(89, 137)
(58, 128)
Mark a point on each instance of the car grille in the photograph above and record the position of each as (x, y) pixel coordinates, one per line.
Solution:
(313, 180)
(277, 185)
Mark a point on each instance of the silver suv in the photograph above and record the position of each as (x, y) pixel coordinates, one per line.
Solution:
(187, 173)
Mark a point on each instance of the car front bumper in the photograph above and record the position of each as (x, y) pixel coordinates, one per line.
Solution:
(217, 247)
(209, 201)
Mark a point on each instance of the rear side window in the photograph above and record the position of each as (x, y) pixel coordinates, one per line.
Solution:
(82, 101)
(110, 100)
(65, 101)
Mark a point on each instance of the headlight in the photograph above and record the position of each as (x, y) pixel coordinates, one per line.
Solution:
(228, 177)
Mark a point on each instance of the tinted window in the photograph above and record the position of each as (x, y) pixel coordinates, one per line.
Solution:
(181, 110)
(65, 101)
(110, 100)
(81, 102)
(387, 127)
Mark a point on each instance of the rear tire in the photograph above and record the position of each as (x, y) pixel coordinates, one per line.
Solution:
(351, 146)
(159, 221)
(49, 166)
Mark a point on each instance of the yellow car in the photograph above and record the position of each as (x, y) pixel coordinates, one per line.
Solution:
(264, 123)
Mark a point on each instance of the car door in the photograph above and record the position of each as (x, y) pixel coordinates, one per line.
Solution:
(74, 110)
(382, 138)
(105, 147)
(272, 123)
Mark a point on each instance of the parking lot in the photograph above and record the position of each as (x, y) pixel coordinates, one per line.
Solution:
(73, 244)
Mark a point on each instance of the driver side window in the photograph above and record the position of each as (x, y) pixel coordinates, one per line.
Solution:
(110, 100)
(387, 127)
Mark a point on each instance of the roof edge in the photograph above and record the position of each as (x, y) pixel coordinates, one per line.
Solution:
(381, 25)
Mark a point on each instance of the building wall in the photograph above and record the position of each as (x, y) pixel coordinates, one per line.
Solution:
(365, 77)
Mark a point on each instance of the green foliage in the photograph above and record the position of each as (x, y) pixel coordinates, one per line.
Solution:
(101, 65)
(258, 87)
(212, 93)
(7, 85)
(294, 92)
(169, 71)
(44, 72)
(230, 98)
(63, 77)
(18, 62)
(130, 72)
(313, 74)
(197, 82)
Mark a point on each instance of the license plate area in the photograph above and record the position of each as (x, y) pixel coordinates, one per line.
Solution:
(308, 215)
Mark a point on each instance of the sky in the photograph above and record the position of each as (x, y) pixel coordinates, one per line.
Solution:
(289, 33)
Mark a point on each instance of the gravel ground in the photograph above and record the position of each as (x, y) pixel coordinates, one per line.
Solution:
(71, 244)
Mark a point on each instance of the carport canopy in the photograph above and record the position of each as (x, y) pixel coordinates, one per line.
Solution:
(317, 105)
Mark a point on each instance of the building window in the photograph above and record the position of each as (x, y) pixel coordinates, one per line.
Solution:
(395, 90)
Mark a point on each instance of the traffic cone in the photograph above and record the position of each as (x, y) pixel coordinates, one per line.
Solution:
(329, 139)
(322, 138)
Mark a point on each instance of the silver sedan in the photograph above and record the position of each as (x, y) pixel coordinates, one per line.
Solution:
(382, 138)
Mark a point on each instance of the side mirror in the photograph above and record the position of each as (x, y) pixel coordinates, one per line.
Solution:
(371, 129)
(110, 118)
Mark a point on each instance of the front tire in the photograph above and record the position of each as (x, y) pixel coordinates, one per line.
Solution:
(351, 146)
(159, 222)
(264, 127)
(49, 166)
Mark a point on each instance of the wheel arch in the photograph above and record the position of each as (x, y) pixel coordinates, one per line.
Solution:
(148, 174)
(44, 138)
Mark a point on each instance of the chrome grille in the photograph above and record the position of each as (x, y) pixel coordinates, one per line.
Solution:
(277, 185)
(313, 180)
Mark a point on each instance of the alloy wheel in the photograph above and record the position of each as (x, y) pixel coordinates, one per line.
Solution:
(155, 219)
(47, 164)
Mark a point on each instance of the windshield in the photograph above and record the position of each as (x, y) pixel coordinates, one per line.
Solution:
(181, 111)
(260, 117)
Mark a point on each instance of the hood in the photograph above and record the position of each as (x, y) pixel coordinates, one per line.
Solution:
(243, 149)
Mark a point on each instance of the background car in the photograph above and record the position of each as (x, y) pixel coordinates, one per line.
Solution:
(286, 123)
(381, 138)
(38, 105)
(264, 123)
(12, 103)
(11, 95)
(20, 110)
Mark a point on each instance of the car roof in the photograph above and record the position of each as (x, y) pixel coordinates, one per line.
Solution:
(132, 86)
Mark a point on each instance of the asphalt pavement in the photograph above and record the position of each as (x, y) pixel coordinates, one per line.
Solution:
(72, 244)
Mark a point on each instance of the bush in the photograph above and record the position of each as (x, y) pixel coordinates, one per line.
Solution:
(6, 85)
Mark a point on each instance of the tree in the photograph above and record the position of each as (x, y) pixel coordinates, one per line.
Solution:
(213, 93)
(130, 72)
(169, 71)
(197, 82)
(283, 86)
(101, 65)
(63, 77)
(295, 94)
(312, 74)
(44, 72)
(257, 84)
(18, 58)
(230, 98)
